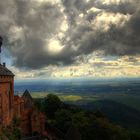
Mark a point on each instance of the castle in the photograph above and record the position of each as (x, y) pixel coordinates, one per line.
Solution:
(11, 106)
(6, 95)
(21, 107)
(32, 121)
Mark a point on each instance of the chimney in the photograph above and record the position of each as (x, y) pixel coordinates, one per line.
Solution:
(4, 64)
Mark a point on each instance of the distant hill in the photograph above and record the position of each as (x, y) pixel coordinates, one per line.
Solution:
(119, 113)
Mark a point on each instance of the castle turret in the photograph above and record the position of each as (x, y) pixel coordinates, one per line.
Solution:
(6, 94)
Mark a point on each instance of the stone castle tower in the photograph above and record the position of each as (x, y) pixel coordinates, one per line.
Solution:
(32, 120)
(6, 94)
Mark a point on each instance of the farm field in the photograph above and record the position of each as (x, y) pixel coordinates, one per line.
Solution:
(126, 99)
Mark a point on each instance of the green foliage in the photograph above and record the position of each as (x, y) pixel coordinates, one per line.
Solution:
(16, 134)
(135, 135)
(89, 126)
(16, 122)
(39, 104)
(51, 104)
(12, 133)
(92, 125)
(63, 119)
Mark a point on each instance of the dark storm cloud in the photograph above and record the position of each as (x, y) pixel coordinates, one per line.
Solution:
(117, 40)
(73, 8)
(27, 26)
(125, 40)
(123, 6)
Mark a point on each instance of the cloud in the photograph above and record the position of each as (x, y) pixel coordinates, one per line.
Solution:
(98, 67)
(91, 65)
(118, 6)
(27, 26)
(114, 33)
(39, 33)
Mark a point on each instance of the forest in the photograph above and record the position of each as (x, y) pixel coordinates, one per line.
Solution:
(89, 124)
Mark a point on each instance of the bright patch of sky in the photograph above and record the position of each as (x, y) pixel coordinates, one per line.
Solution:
(71, 38)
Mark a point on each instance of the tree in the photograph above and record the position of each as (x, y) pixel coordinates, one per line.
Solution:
(63, 119)
(92, 125)
(51, 104)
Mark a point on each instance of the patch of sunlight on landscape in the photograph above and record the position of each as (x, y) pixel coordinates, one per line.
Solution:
(126, 99)
(70, 97)
(42, 95)
(39, 94)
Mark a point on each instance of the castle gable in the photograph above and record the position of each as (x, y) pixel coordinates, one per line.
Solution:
(27, 95)
(28, 99)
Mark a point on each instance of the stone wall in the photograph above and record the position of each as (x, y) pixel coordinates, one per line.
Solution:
(6, 99)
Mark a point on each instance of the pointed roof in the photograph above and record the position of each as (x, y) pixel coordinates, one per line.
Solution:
(27, 95)
(4, 71)
(29, 103)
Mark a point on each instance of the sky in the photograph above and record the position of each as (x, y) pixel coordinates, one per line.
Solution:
(71, 38)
